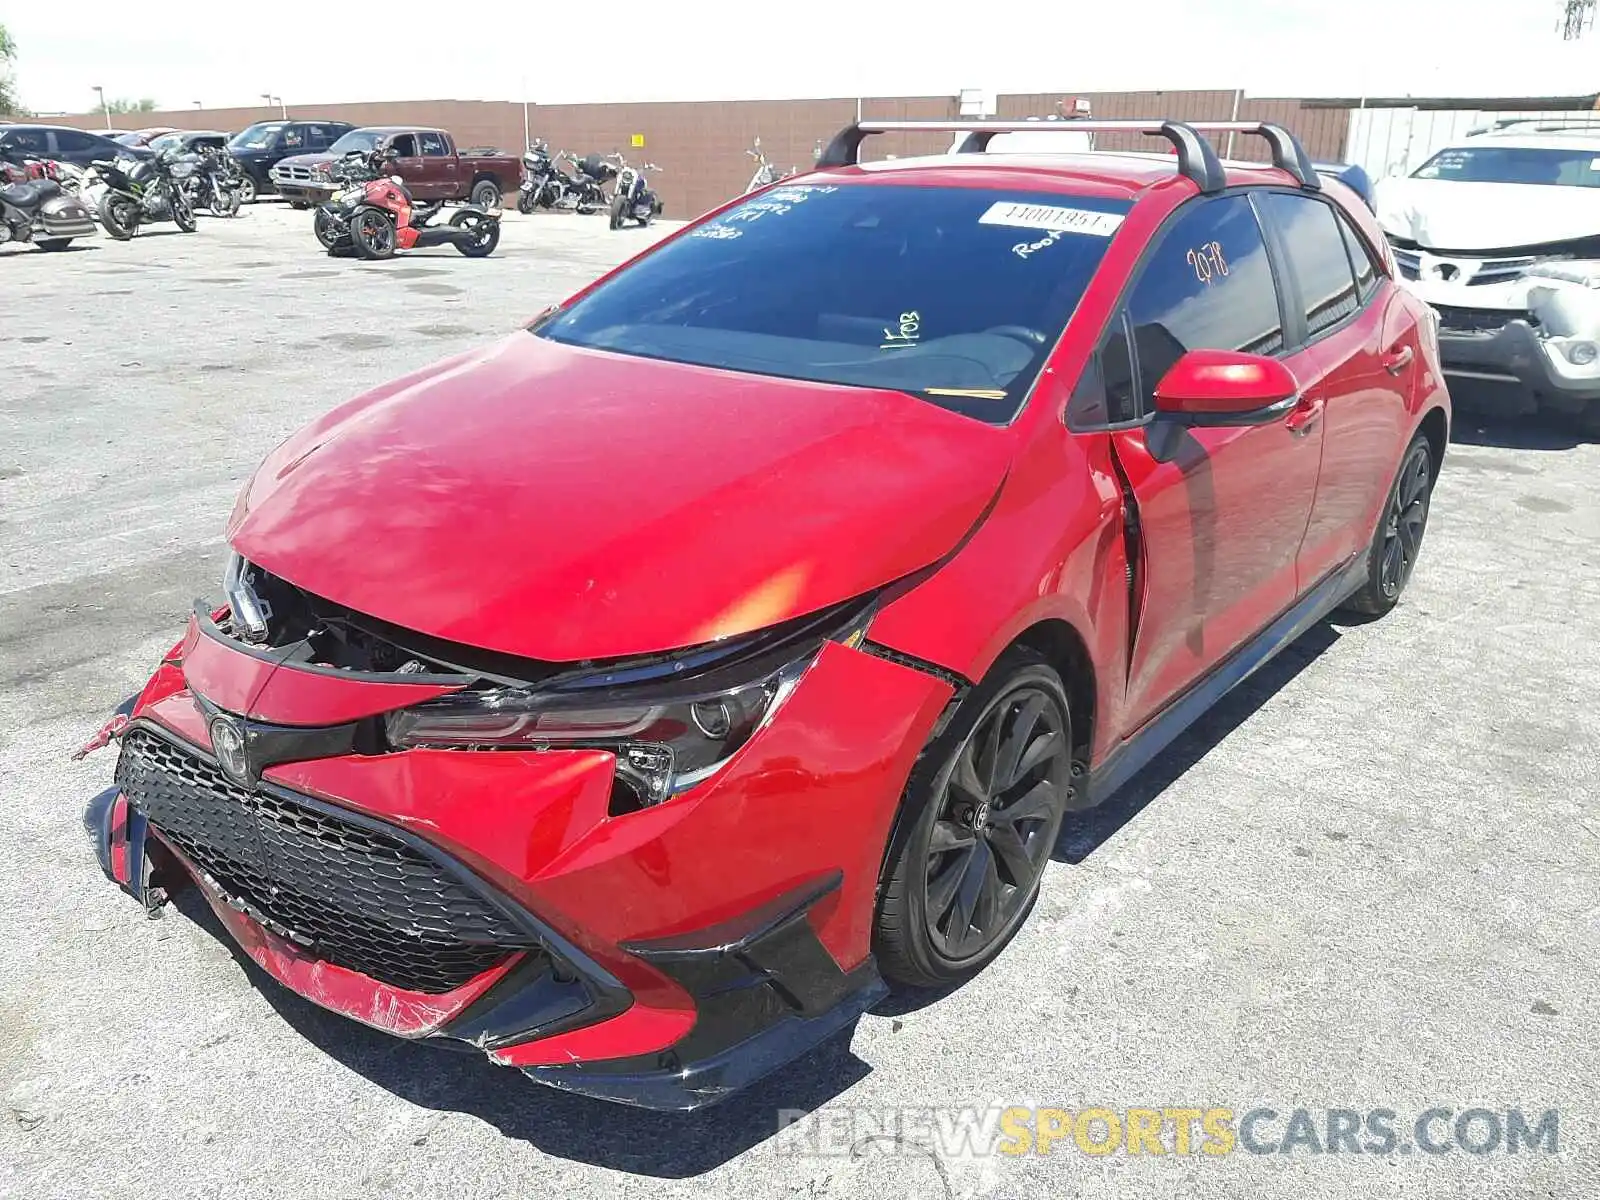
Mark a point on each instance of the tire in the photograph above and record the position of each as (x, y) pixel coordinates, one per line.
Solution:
(962, 843)
(485, 194)
(1398, 540)
(489, 238)
(119, 215)
(322, 225)
(247, 190)
(225, 202)
(618, 206)
(183, 215)
(373, 234)
(53, 243)
(525, 202)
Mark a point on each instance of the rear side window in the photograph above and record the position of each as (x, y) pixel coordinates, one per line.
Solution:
(318, 137)
(1317, 257)
(433, 144)
(1207, 285)
(1361, 259)
(405, 145)
(70, 141)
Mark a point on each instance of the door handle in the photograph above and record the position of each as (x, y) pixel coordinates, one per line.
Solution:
(1397, 360)
(1305, 416)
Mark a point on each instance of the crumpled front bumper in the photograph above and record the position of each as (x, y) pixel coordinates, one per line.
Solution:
(672, 955)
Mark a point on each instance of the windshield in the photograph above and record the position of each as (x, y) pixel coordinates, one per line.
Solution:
(954, 294)
(356, 139)
(166, 141)
(1571, 167)
(130, 139)
(258, 137)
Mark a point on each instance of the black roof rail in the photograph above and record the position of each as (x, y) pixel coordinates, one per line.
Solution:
(1287, 152)
(1197, 160)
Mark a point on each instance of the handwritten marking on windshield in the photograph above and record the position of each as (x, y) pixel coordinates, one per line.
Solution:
(1208, 262)
(1023, 249)
(909, 332)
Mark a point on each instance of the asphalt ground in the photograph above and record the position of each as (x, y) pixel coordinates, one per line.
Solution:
(1367, 881)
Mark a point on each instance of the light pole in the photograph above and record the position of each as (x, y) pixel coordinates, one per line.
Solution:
(102, 93)
(278, 100)
(196, 103)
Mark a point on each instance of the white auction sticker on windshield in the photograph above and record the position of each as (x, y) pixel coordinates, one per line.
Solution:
(1048, 216)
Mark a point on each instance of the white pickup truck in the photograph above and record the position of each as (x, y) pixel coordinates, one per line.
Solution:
(1501, 234)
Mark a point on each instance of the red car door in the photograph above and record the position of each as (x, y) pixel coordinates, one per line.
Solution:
(1362, 338)
(1221, 522)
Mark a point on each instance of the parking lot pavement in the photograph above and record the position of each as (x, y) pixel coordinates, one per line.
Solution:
(1370, 880)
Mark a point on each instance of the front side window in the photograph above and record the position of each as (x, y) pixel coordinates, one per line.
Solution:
(433, 144)
(27, 141)
(1317, 255)
(954, 294)
(1207, 285)
(1561, 166)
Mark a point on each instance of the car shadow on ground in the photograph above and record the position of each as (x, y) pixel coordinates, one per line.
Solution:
(1472, 428)
(450, 1077)
(1082, 833)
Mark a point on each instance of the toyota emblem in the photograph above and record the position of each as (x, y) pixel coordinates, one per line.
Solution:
(227, 743)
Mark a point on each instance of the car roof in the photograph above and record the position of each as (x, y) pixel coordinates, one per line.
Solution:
(57, 128)
(1535, 138)
(1109, 174)
(396, 129)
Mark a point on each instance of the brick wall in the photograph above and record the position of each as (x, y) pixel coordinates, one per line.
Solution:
(700, 145)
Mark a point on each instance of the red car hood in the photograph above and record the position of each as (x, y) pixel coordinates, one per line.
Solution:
(565, 504)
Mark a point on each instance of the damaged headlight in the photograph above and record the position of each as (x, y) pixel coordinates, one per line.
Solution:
(667, 737)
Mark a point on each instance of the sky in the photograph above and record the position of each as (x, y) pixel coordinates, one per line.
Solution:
(227, 55)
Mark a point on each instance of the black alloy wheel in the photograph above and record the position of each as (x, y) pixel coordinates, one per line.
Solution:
(963, 875)
(373, 233)
(1398, 542)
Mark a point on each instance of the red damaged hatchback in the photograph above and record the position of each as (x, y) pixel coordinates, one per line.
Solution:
(631, 697)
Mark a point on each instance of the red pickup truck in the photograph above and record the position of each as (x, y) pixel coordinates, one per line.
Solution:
(427, 160)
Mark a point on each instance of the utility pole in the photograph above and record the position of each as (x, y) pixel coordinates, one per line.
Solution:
(102, 94)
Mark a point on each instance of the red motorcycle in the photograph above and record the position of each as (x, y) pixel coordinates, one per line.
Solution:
(373, 214)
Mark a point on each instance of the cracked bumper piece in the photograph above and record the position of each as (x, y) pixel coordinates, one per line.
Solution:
(665, 957)
(1531, 371)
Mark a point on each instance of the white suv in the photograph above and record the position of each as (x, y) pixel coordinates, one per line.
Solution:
(1501, 234)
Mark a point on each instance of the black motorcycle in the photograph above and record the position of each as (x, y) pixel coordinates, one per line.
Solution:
(36, 209)
(544, 185)
(587, 183)
(214, 183)
(141, 191)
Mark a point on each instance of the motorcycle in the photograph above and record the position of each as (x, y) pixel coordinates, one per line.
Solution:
(35, 206)
(631, 198)
(766, 173)
(544, 184)
(373, 214)
(587, 183)
(214, 183)
(136, 192)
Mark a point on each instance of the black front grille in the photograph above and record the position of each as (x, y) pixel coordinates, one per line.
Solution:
(356, 896)
(1454, 319)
